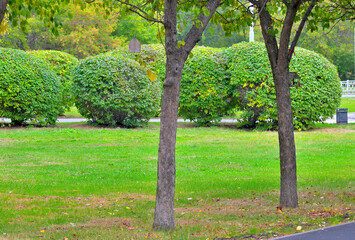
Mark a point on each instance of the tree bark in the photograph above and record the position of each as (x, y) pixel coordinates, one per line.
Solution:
(164, 205)
(3, 5)
(175, 60)
(280, 57)
(288, 168)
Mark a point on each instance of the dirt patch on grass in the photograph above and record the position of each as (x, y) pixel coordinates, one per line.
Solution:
(221, 206)
(99, 223)
(120, 196)
(133, 196)
(112, 222)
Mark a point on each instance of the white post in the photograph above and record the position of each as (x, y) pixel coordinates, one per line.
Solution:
(251, 30)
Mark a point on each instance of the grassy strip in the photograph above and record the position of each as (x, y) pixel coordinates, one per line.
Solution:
(100, 183)
(348, 103)
(73, 113)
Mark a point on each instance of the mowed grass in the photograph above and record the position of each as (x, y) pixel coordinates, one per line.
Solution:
(92, 183)
(348, 103)
(73, 112)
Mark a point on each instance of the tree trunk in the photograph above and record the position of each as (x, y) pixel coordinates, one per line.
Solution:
(3, 5)
(175, 60)
(280, 57)
(288, 191)
(164, 205)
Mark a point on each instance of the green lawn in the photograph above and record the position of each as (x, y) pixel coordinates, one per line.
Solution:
(348, 103)
(91, 183)
(72, 113)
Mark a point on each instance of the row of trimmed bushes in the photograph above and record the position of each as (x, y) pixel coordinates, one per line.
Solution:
(113, 89)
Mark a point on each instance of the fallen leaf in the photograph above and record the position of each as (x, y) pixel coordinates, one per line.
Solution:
(279, 209)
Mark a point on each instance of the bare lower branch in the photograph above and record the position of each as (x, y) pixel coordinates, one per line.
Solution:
(266, 25)
(300, 28)
(140, 12)
(285, 36)
(221, 15)
(195, 33)
(146, 18)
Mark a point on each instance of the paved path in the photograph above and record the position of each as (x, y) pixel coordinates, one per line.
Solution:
(345, 231)
(351, 119)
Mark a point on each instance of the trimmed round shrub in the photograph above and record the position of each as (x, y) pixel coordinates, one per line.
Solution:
(63, 65)
(29, 89)
(206, 94)
(115, 91)
(151, 56)
(315, 96)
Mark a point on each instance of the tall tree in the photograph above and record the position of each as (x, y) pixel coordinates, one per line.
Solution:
(88, 32)
(19, 11)
(280, 54)
(166, 14)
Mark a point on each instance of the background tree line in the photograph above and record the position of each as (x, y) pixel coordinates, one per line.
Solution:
(89, 33)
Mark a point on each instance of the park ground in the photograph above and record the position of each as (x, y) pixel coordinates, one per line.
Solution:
(74, 181)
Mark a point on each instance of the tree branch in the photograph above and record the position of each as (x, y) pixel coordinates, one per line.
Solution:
(300, 28)
(266, 25)
(285, 36)
(140, 12)
(3, 5)
(221, 15)
(195, 33)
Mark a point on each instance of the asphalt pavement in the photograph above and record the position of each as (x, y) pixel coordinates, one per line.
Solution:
(345, 231)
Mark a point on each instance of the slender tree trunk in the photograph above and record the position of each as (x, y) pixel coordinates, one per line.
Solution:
(175, 60)
(3, 5)
(280, 57)
(288, 191)
(164, 205)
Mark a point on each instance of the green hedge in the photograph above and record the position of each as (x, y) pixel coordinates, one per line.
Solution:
(115, 91)
(251, 78)
(151, 56)
(29, 89)
(63, 65)
(206, 94)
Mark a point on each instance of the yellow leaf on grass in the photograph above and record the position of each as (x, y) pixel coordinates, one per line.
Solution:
(299, 228)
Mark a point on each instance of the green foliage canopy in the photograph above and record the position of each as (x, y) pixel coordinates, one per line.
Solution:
(29, 89)
(251, 77)
(63, 65)
(115, 91)
(206, 94)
